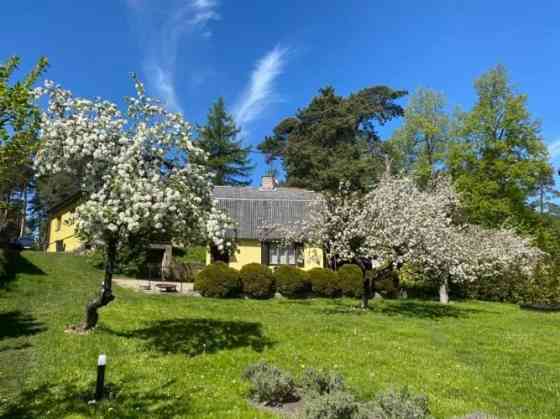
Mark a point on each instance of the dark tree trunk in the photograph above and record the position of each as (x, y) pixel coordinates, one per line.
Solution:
(106, 293)
(366, 294)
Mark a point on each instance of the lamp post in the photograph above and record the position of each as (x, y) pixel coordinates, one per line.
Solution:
(101, 362)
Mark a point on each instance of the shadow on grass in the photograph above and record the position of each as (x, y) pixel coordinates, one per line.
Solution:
(18, 264)
(406, 308)
(14, 324)
(121, 401)
(197, 336)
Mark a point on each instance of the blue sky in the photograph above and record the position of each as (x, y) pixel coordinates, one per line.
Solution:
(268, 59)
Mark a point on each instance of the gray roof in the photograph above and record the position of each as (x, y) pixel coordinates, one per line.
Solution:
(253, 208)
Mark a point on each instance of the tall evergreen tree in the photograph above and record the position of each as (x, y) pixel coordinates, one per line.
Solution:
(499, 159)
(334, 139)
(228, 160)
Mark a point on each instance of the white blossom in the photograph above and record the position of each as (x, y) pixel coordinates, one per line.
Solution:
(134, 168)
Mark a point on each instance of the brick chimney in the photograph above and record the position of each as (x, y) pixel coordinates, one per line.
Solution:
(268, 182)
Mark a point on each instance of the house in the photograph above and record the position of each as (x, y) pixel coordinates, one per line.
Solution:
(256, 208)
(60, 229)
(252, 208)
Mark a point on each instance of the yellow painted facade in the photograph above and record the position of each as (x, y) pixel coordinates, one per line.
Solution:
(61, 231)
(249, 251)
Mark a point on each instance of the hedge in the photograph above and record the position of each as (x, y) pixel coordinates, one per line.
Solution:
(291, 282)
(350, 280)
(257, 281)
(324, 282)
(218, 280)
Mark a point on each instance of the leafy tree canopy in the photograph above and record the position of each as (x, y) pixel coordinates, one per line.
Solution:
(333, 139)
(19, 125)
(228, 160)
(499, 158)
(419, 146)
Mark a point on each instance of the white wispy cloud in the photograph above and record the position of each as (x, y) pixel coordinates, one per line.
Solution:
(554, 149)
(161, 29)
(260, 91)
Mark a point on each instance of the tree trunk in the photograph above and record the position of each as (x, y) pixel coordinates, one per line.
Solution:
(106, 293)
(23, 213)
(443, 294)
(366, 294)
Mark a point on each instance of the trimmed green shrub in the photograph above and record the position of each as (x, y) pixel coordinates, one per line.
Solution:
(335, 405)
(386, 287)
(291, 282)
(218, 280)
(350, 280)
(257, 281)
(324, 282)
(270, 385)
(315, 382)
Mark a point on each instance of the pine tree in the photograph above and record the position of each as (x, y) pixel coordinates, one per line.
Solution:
(228, 160)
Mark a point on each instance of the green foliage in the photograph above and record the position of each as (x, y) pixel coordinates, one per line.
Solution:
(499, 158)
(350, 280)
(19, 126)
(291, 282)
(419, 146)
(544, 286)
(269, 384)
(257, 281)
(386, 287)
(314, 382)
(333, 139)
(194, 254)
(335, 405)
(324, 282)
(228, 160)
(397, 405)
(218, 280)
(133, 259)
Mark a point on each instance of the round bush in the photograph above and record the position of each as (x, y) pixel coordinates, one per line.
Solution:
(386, 287)
(291, 282)
(257, 281)
(350, 280)
(324, 282)
(218, 280)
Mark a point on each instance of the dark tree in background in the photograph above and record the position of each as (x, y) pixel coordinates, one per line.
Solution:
(333, 139)
(228, 160)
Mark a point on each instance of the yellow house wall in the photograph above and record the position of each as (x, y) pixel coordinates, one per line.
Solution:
(66, 232)
(249, 251)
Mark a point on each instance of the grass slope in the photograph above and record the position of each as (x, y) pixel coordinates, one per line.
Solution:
(171, 356)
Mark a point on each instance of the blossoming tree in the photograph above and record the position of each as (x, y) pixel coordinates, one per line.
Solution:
(135, 174)
(396, 224)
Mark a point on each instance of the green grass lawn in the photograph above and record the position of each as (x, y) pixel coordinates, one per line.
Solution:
(172, 356)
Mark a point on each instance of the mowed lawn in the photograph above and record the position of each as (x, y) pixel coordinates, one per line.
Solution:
(173, 356)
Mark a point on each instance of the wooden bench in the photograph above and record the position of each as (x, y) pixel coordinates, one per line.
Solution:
(166, 287)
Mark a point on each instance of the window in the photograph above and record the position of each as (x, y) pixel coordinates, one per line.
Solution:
(59, 246)
(284, 255)
(58, 223)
